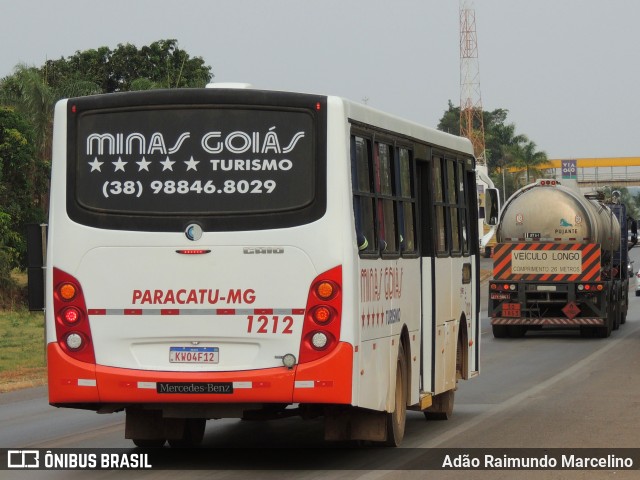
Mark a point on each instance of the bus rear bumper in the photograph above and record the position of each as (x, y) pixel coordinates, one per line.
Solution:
(327, 380)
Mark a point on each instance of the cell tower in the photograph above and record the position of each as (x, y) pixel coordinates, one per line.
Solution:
(471, 122)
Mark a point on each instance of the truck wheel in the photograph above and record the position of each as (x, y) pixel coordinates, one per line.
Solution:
(605, 332)
(517, 331)
(616, 317)
(500, 331)
(587, 332)
(396, 420)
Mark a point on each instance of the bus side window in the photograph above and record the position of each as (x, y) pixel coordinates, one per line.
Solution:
(363, 195)
(406, 208)
(452, 201)
(463, 210)
(438, 198)
(383, 156)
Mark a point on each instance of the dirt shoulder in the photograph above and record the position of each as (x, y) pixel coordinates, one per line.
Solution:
(22, 378)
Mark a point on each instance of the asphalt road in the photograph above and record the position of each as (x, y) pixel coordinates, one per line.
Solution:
(546, 390)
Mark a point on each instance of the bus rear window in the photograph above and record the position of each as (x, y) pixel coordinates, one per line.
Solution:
(197, 161)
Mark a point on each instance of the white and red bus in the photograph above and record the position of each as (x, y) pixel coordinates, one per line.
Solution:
(237, 253)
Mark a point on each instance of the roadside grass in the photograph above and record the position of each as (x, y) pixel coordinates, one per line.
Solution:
(22, 353)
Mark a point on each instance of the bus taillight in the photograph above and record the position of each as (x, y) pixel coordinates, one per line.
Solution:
(323, 314)
(71, 315)
(72, 323)
(67, 291)
(321, 329)
(325, 290)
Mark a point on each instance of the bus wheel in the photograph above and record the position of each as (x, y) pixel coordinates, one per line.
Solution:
(396, 420)
(500, 331)
(145, 427)
(148, 443)
(442, 407)
(192, 434)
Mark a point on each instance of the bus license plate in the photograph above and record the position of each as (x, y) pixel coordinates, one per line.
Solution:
(194, 354)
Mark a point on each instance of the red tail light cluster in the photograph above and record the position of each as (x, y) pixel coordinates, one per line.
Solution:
(587, 287)
(72, 323)
(321, 330)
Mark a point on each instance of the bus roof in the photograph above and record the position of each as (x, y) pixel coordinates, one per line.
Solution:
(365, 114)
(369, 115)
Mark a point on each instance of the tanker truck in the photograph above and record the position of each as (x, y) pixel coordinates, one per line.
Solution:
(561, 261)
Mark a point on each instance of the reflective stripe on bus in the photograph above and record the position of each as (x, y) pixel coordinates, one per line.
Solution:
(195, 311)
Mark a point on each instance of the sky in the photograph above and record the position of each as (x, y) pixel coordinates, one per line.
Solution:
(566, 70)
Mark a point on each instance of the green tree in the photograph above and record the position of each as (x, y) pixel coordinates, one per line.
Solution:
(499, 138)
(162, 64)
(27, 92)
(503, 147)
(19, 174)
(496, 133)
(8, 256)
(27, 100)
(450, 121)
(524, 155)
